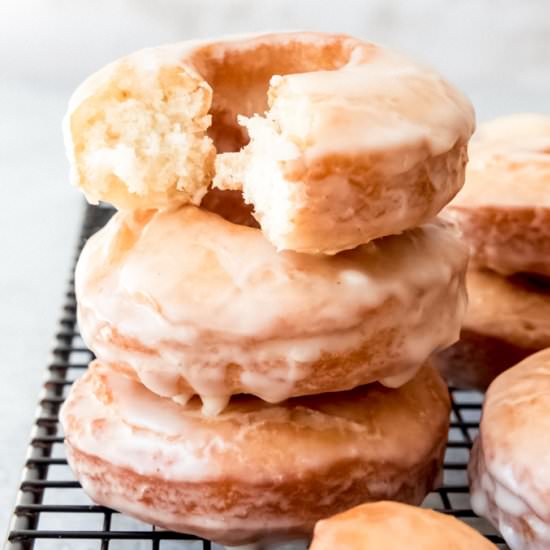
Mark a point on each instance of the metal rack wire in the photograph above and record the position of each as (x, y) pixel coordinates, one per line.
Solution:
(53, 512)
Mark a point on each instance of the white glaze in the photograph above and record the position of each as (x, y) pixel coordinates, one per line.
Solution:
(399, 101)
(202, 293)
(379, 101)
(508, 512)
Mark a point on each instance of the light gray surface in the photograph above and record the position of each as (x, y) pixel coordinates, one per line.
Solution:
(496, 51)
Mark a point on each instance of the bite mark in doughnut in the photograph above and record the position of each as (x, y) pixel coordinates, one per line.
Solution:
(509, 465)
(394, 526)
(504, 207)
(193, 304)
(257, 470)
(355, 137)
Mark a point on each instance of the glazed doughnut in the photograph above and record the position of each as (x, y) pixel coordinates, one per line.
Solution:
(358, 142)
(504, 208)
(508, 470)
(394, 526)
(507, 319)
(257, 470)
(193, 304)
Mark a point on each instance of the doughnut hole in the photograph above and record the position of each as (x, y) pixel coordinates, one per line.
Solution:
(229, 205)
(240, 103)
(240, 74)
(139, 140)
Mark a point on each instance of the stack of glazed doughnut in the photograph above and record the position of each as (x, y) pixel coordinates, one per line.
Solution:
(504, 214)
(264, 304)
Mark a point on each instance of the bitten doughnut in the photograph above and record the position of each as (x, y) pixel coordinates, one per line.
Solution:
(507, 319)
(257, 470)
(510, 461)
(193, 304)
(394, 526)
(504, 208)
(358, 142)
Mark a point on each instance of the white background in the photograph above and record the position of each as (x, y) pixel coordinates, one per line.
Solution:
(498, 51)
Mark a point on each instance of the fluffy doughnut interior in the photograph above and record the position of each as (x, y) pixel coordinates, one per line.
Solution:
(142, 135)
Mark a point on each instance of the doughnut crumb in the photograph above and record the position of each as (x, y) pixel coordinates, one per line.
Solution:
(140, 137)
(256, 171)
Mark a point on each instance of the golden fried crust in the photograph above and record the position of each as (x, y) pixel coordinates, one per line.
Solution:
(507, 319)
(255, 471)
(393, 526)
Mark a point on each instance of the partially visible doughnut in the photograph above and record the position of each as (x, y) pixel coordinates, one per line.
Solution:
(193, 304)
(507, 319)
(510, 462)
(395, 526)
(358, 142)
(504, 207)
(257, 470)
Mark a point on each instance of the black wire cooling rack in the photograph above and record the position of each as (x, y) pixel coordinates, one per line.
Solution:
(52, 511)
